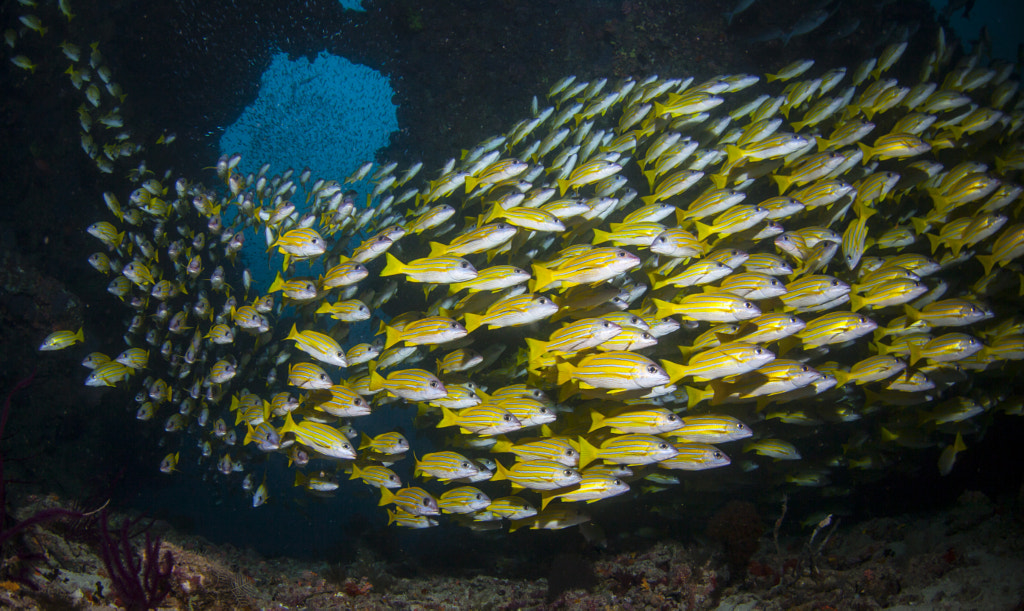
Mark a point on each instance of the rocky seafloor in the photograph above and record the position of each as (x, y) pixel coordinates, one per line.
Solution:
(968, 556)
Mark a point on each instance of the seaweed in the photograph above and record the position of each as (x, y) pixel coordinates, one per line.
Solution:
(140, 580)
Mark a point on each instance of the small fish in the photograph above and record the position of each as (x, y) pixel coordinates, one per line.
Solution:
(773, 448)
(629, 449)
(537, 475)
(59, 340)
(415, 501)
(445, 466)
(433, 269)
(614, 371)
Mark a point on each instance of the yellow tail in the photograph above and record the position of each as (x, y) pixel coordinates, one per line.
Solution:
(472, 321)
(542, 277)
(394, 266)
(588, 452)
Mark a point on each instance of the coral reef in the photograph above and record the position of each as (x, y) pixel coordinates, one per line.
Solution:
(967, 557)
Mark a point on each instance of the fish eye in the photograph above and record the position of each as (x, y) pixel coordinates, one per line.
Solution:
(662, 446)
(739, 425)
(607, 325)
(542, 301)
(835, 283)
(465, 465)
(391, 477)
(803, 368)
(507, 418)
(433, 384)
(718, 455)
(339, 353)
(757, 351)
(652, 369)
(345, 446)
(464, 265)
(454, 325)
(478, 497)
(426, 502)
(567, 473)
(621, 254)
(659, 240)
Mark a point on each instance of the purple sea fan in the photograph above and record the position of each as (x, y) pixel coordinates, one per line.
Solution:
(141, 581)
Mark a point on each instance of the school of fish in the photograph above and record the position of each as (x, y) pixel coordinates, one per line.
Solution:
(639, 279)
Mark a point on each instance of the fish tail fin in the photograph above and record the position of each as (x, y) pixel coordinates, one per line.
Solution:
(823, 143)
(912, 314)
(719, 180)
(471, 183)
(437, 249)
(663, 308)
(289, 424)
(842, 377)
(588, 452)
(856, 302)
(563, 185)
(376, 380)
(448, 418)
(703, 231)
(988, 262)
(720, 391)
(542, 277)
(675, 371)
(386, 497)
(784, 182)
(596, 420)
(657, 280)
(80, 337)
(277, 284)
(601, 237)
(959, 445)
(501, 444)
(394, 266)
(472, 321)
(365, 442)
(500, 472)
(356, 472)
(546, 497)
(935, 241)
(536, 349)
(788, 343)
(868, 152)
(565, 370)
(300, 479)
(734, 154)
(392, 335)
